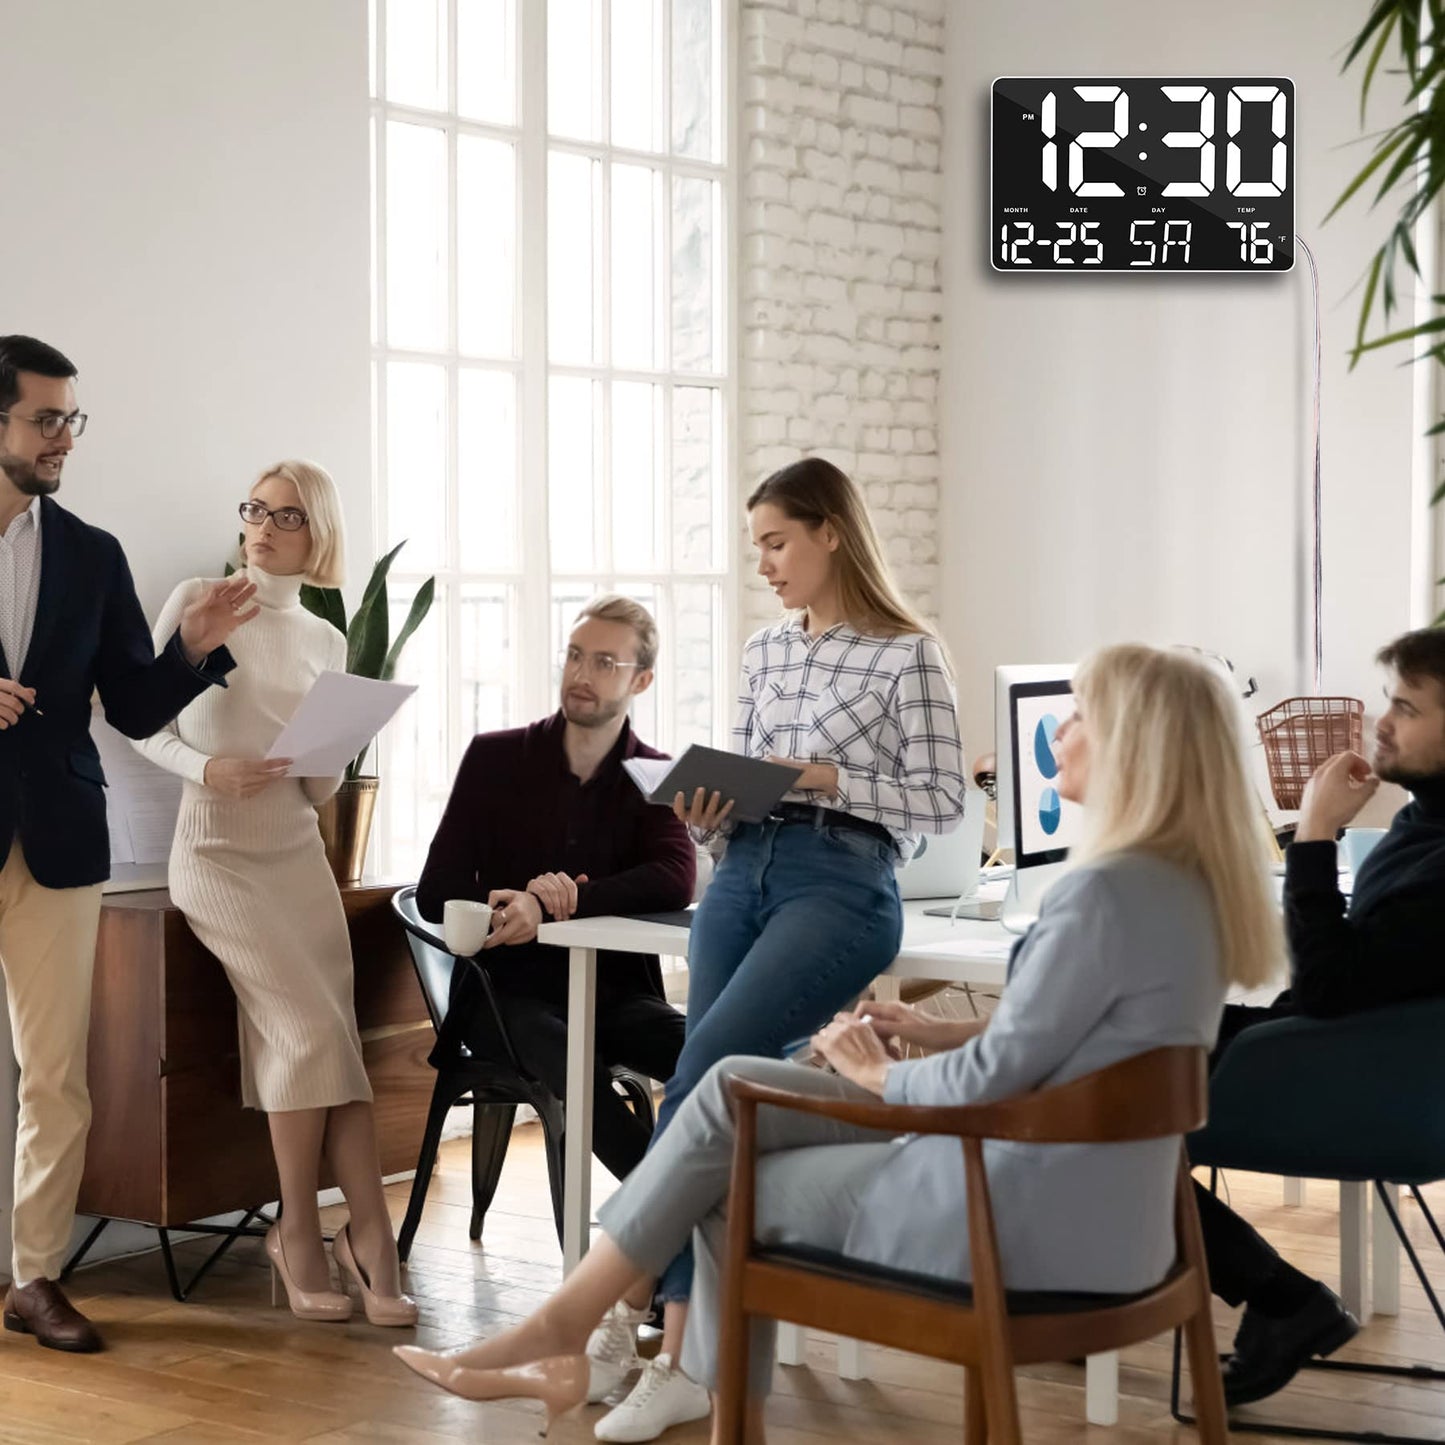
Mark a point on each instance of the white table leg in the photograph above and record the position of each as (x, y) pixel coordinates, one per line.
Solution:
(1101, 1389)
(577, 1144)
(1294, 1191)
(1385, 1266)
(1354, 1251)
(850, 1360)
(790, 1344)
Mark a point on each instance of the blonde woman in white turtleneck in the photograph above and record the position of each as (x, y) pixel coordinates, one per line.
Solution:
(249, 872)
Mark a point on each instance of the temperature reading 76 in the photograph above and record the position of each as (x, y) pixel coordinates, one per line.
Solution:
(1254, 246)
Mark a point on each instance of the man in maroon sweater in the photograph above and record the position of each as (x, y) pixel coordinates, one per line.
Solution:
(544, 824)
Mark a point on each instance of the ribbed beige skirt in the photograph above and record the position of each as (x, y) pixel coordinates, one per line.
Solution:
(252, 880)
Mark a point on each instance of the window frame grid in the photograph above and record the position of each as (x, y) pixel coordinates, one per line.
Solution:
(530, 582)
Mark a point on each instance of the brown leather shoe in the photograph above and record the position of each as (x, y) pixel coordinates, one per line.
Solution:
(41, 1309)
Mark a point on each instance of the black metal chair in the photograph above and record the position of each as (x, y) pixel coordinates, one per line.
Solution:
(1358, 1098)
(494, 1087)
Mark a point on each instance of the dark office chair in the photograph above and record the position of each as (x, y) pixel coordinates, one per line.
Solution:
(1360, 1098)
(493, 1086)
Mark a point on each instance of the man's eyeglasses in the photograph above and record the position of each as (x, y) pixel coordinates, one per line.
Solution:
(600, 664)
(52, 424)
(288, 519)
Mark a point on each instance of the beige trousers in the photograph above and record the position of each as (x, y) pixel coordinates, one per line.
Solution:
(47, 949)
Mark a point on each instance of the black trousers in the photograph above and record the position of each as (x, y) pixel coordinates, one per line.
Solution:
(1240, 1258)
(635, 1031)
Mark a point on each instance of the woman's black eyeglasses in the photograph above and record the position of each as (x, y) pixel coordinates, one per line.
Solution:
(288, 519)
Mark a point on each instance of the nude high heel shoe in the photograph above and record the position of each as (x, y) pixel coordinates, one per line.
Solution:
(399, 1310)
(323, 1305)
(560, 1382)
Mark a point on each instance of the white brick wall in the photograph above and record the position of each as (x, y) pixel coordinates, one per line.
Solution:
(839, 303)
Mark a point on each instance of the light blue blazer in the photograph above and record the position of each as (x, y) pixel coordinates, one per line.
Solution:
(1124, 958)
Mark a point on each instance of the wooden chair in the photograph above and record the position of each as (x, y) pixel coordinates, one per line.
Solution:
(985, 1328)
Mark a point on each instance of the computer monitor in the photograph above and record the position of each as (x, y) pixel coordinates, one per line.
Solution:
(1040, 826)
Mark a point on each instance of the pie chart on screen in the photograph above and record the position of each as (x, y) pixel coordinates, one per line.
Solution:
(1051, 811)
(1044, 757)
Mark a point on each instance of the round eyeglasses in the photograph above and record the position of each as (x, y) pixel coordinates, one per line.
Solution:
(52, 424)
(288, 519)
(599, 664)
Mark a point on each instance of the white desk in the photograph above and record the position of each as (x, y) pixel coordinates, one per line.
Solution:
(952, 951)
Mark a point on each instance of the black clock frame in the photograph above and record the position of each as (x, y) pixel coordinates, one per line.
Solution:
(1184, 235)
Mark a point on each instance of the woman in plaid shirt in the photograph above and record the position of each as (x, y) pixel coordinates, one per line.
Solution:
(803, 912)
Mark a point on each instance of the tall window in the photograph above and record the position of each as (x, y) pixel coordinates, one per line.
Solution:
(550, 358)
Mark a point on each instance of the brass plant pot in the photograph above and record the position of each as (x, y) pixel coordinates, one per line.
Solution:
(345, 822)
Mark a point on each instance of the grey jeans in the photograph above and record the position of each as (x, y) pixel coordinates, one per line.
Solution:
(812, 1174)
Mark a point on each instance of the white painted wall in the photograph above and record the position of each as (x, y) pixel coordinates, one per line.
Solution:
(1126, 456)
(184, 211)
(185, 214)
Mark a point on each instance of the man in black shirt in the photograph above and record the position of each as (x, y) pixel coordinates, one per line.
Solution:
(1383, 948)
(545, 825)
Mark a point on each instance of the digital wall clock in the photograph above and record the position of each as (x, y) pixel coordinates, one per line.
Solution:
(1142, 175)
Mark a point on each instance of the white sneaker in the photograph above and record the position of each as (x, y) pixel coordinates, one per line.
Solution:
(663, 1396)
(612, 1351)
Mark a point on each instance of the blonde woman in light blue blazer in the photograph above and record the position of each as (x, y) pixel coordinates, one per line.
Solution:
(1166, 905)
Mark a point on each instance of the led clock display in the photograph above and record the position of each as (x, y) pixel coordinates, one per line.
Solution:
(1142, 175)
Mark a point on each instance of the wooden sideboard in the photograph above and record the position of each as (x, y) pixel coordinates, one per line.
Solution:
(169, 1141)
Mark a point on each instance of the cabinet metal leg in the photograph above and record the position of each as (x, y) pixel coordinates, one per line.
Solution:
(84, 1249)
(229, 1233)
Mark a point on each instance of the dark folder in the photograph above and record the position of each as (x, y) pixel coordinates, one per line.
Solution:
(755, 787)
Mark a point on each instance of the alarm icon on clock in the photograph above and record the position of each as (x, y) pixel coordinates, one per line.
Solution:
(1176, 173)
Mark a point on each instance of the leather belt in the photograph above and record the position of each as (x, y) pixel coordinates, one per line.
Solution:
(817, 816)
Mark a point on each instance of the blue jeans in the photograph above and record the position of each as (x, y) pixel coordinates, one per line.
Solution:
(797, 921)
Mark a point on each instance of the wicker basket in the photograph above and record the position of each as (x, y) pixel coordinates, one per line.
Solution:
(1302, 732)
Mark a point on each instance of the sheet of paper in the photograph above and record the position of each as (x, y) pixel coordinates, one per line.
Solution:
(337, 718)
(647, 773)
(141, 802)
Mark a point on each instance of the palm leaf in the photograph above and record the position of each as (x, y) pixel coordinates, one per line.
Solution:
(1407, 245)
(1408, 157)
(1392, 141)
(1371, 282)
(1409, 36)
(1425, 328)
(1375, 54)
(1416, 141)
(1388, 291)
(1384, 13)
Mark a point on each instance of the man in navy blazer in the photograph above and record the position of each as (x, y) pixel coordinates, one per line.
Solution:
(70, 625)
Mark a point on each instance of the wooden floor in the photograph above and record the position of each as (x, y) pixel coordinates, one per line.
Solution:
(229, 1368)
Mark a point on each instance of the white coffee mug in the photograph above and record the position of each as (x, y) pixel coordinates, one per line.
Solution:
(1357, 845)
(465, 925)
